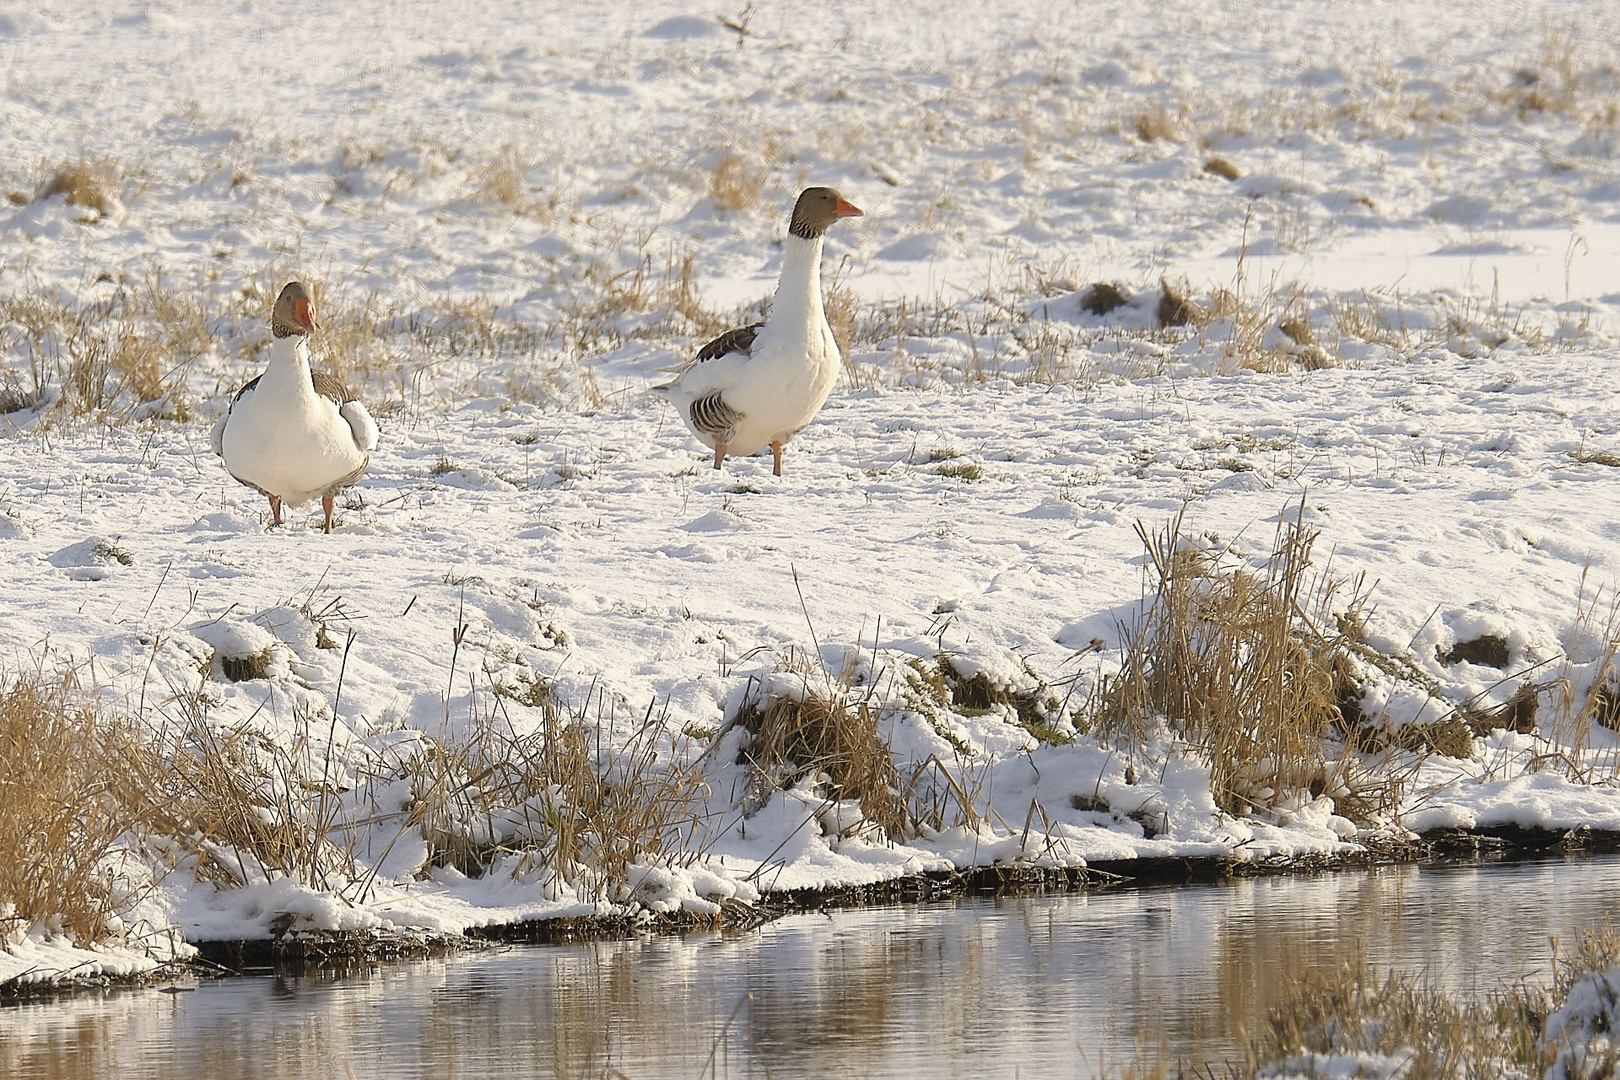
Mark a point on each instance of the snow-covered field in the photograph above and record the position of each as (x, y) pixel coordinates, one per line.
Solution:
(517, 220)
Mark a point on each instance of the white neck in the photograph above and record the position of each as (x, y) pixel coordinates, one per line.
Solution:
(799, 290)
(289, 362)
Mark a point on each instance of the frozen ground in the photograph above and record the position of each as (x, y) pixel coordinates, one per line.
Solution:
(517, 218)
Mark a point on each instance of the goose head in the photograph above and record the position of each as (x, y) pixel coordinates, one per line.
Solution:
(818, 208)
(294, 312)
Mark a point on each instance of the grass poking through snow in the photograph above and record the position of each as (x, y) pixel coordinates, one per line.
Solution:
(1242, 663)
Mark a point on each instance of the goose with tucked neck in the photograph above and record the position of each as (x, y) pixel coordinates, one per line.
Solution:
(293, 434)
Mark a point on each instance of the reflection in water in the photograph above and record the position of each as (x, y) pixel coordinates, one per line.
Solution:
(1033, 986)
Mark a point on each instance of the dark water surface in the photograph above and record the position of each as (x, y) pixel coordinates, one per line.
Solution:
(1052, 986)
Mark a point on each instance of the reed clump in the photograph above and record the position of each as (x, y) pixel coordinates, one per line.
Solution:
(237, 807)
(553, 798)
(1351, 1012)
(1245, 665)
(1586, 690)
(831, 736)
(123, 355)
(59, 823)
(1516, 1029)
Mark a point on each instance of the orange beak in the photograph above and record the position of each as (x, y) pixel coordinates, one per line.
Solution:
(845, 208)
(302, 313)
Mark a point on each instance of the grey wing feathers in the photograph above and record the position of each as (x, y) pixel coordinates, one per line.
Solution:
(251, 384)
(330, 386)
(712, 416)
(739, 340)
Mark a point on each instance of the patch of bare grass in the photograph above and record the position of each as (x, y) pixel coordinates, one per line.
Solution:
(1176, 309)
(1102, 297)
(1029, 702)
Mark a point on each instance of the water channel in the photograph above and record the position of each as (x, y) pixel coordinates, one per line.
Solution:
(1047, 986)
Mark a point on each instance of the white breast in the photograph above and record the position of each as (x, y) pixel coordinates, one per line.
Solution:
(286, 440)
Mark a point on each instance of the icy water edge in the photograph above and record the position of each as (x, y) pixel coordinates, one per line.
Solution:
(1066, 985)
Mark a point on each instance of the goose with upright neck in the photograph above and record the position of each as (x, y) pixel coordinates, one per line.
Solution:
(293, 434)
(759, 385)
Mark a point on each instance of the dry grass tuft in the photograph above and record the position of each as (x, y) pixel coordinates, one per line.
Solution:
(1517, 1028)
(1298, 329)
(551, 800)
(734, 184)
(241, 806)
(842, 306)
(58, 824)
(1176, 310)
(1219, 166)
(1587, 693)
(84, 183)
(1241, 663)
(1102, 298)
(811, 734)
(1451, 736)
(123, 356)
(1153, 124)
(1595, 457)
(503, 182)
(961, 470)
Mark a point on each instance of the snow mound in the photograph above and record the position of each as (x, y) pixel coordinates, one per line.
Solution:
(243, 650)
(92, 559)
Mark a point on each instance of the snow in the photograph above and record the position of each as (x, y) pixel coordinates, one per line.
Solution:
(483, 192)
(1579, 1031)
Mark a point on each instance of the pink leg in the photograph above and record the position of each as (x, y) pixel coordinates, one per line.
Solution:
(275, 510)
(326, 507)
(719, 453)
(776, 451)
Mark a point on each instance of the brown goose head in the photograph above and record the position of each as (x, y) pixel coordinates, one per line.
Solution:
(294, 311)
(817, 208)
